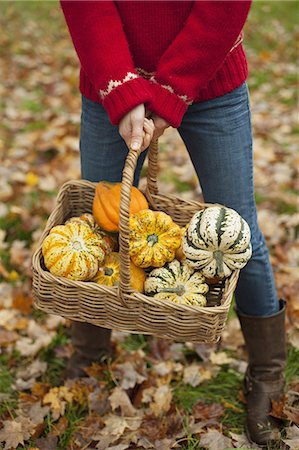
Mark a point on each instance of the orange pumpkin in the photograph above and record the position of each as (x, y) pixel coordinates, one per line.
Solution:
(106, 204)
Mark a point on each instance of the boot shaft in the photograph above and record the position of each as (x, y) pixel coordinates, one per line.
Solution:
(265, 342)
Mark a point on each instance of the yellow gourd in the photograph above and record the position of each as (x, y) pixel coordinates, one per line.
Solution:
(154, 238)
(108, 274)
(73, 251)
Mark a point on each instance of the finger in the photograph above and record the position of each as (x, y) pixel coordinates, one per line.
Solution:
(149, 127)
(146, 140)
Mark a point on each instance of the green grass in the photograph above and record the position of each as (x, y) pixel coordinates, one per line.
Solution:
(286, 208)
(75, 414)
(292, 366)
(224, 389)
(134, 342)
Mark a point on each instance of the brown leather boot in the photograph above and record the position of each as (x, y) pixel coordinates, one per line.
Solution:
(91, 344)
(265, 342)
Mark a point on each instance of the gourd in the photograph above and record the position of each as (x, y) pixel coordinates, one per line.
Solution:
(110, 240)
(179, 254)
(106, 204)
(108, 274)
(154, 238)
(217, 241)
(73, 251)
(177, 282)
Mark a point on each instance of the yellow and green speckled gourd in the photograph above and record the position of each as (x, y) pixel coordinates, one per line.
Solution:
(108, 274)
(154, 238)
(73, 251)
(177, 282)
(217, 241)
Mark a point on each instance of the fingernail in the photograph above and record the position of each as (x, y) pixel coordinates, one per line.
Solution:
(135, 145)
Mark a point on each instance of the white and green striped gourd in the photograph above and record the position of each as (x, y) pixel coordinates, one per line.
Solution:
(177, 282)
(217, 241)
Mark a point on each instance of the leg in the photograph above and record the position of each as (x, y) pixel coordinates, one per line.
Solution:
(217, 134)
(103, 153)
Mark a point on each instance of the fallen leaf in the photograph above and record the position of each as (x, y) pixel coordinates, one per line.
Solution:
(292, 438)
(30, 347)
(219, 358)
(15, 432)
(60, 426)
(120, 399)
(203, 410)
(128, 375)
(47, 443)
(7, 337)
(195, 374)
(241, 441)
(33, 370)
(161, 400)
(214, 440)
(57, 398)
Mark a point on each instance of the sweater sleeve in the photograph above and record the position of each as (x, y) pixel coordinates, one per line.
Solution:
(195, 55)
(104, 54)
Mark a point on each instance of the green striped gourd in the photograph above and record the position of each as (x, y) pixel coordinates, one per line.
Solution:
(217, 241)
(177, 282)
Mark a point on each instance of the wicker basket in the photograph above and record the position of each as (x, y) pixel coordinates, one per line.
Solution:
(122, 307)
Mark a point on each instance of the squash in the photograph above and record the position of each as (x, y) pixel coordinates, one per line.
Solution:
(110, 240)
(73, 251)
(154, 238)
(108, 273)
(217, 242)
(106, 204)
(86, 219)
(179, 254)
(177, 282)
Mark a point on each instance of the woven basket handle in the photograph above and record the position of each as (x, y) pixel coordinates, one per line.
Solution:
(125, 198)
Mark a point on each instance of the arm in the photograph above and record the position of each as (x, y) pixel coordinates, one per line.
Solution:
(104, 54)
(195, 55)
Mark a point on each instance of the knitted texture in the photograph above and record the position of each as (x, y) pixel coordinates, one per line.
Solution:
(166, 54)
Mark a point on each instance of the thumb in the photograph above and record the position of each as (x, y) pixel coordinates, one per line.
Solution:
(137, 136)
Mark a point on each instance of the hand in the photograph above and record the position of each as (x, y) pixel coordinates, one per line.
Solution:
(136, 130)
(160, 125)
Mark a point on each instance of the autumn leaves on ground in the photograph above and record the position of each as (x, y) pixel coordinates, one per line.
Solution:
(154, 394)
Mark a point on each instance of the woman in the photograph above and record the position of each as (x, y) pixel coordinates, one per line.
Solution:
(180, 64)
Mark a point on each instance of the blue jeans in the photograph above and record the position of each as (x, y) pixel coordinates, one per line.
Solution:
(218, 136)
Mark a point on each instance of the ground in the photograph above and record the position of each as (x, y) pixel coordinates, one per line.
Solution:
(154, 393)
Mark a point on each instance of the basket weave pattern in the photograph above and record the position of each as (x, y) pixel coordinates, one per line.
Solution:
(122, 307)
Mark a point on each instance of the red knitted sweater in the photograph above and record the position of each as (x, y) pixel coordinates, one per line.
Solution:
(166, 54)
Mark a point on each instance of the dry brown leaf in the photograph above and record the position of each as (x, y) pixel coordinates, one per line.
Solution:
(214, 440)
(7, 337)
(162, 397)
(128, 375)
(60, 426)
(292, 438)
(203, 410)
(15, 432)
(120, 399)
(195, 374)
(241, 441)
(30, 347)
(47, 443)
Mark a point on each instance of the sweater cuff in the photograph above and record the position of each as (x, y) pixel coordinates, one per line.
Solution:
(125, 97)
(167, 105)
